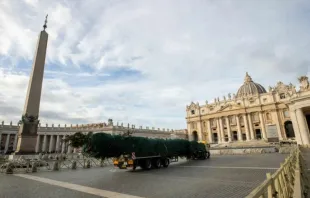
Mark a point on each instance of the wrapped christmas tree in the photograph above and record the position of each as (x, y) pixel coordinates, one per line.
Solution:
(102, 145)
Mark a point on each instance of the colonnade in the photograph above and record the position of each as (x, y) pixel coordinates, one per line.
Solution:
(53, 144)
(7, 142)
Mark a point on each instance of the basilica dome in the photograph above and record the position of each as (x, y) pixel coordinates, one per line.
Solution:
(250, 88)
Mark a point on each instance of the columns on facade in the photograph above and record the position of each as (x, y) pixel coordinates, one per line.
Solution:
(252, 135)
(239, 128)
(296, 127)
(276, 118)
(302, 126)
(38, 143)
(189, 131)
(209, 131)
(222, 130)
(7, 143)
(44, 143)
(228, 129)
(247, 132)
(199, 131)
(218, 128)
(262, 125)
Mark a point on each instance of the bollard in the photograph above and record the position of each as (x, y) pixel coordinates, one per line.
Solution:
(101, 163)
(9, 168)
(34, 167)
(88, 164)
(55, 166)
(45, 157)
(73, 165)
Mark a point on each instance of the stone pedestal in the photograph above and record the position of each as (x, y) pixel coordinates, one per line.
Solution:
(26, 145)
(27, 138)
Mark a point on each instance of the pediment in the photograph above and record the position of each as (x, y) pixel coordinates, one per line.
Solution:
(193, 106)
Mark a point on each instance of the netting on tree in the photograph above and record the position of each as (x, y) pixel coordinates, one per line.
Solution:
(102, 145)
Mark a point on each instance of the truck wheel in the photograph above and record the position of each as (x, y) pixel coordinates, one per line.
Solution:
(166, 162)
(157, 163)
(148, 164)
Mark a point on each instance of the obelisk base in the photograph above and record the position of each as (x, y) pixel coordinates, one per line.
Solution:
(26, 145)
(27, 139)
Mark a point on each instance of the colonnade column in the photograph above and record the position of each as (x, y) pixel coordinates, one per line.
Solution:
(7, 143)
(57, 143)
(228, 129)
(302, 126)
(239, 128)
(251, 127)
(247, 132)
(262, 125)
(51, 145)
(0, 140)
(63, 145)
(15, 142)
(210, 131)
(69, 148)
(219, 136)
(44, 143)
(38, 144)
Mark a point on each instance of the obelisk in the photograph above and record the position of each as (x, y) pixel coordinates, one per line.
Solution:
(27, 133)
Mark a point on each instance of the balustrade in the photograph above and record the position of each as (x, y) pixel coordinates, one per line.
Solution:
(288, 181)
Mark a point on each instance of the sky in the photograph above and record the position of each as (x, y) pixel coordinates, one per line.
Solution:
(143, 61)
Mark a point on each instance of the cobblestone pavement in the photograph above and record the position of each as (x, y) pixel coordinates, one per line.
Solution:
(220, 176)
(306, 155)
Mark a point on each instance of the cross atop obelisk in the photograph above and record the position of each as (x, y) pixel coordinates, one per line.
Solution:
(27, 134)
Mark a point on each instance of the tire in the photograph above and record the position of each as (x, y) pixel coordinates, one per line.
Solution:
(166, 162)
(156, 163)
(147, 164)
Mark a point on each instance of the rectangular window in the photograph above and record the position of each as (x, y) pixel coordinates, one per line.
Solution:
(286, 113)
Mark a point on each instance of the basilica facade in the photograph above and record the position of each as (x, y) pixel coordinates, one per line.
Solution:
(253, 113)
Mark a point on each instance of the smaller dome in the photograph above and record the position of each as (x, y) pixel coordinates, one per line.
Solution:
(250, 88)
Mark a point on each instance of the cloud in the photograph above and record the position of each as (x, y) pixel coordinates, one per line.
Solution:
(143, 61)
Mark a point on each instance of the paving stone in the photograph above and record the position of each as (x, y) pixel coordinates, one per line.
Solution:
(185, 179)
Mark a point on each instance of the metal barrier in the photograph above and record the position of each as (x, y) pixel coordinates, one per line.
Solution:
(288, 181)
(54, 164)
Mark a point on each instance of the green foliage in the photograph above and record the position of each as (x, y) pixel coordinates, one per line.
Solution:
(78, 139)
(102, 145)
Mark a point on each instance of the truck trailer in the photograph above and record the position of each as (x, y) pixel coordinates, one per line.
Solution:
(132, 152)
(131, 161)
